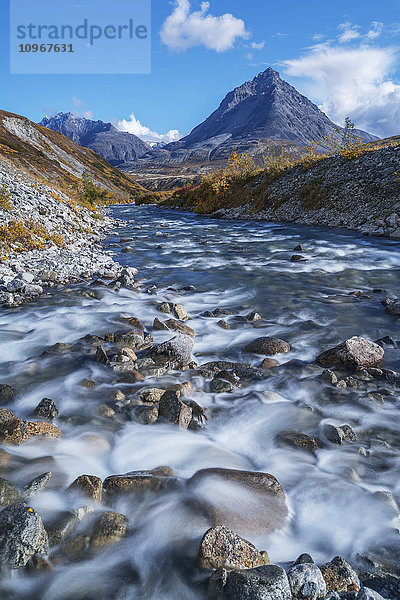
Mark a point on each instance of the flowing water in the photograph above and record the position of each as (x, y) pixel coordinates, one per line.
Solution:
(242, 266)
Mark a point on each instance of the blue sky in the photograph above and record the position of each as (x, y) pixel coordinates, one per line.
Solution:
(343, 55)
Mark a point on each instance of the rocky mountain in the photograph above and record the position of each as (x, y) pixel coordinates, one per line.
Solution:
(262, 116)
(55, 159)
(115, 146)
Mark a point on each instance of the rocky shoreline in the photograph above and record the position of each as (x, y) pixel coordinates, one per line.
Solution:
(78, 257)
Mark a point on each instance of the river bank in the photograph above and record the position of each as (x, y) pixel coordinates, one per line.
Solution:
(295, 456)
(47, 240)
(360, 193)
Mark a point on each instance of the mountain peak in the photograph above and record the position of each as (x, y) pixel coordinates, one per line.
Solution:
(115, 146)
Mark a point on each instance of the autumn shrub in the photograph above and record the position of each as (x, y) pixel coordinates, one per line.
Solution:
(5, 198)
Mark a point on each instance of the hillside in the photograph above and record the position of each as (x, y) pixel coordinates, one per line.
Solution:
(115, 146)
(56, 160)
(358, 190)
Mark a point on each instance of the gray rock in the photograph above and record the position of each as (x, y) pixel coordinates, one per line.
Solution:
(22, 535)
(340, 576)
(176, 352)
(8, 492)
(267, 346)
(219, 386)
(46, 409)
(306, 581)
(368, 594)
(146, 415)
(7, 393)
(35, 486)
(267, 582)
(222, 548)
(174, 410)
(353, 353)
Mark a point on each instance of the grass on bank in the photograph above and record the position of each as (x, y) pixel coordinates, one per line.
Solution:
(229, 187)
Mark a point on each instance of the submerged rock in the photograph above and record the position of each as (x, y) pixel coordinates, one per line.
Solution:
(36, 485)
(296, 439)
(22, 535)
(222, 548)
(267, 582)
(353, 353)
(267, 346)
(245, 501)
(7, 393)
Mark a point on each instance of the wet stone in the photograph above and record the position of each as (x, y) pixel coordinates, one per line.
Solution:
(339, 576)
(174, 410)
(8, 492)
(267, 346)
(22, 535)
(34, 429)
(7, 393)
(176, 352)
(306, 582)
(180, 312)
(267, 582)
(151, 395)
(36, 485)
(108, 529)
(145, 415)
(220, 386)
(260, 496)
(101, 356)
(269, 363)
(89, 486)
(353, 353)
(328, 376)
(138, 481)
(298, 258)
(46, 409)
(164, 307)
(296, 439)
(178, 326)
(159, 325)
(222, 548)
(12, 428)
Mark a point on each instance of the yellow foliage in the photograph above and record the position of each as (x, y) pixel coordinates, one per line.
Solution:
(5, 198)
(17, 236)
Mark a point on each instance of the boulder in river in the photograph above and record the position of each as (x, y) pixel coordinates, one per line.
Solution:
(178, 326)
(306, 581)
(180, 312)
(138, 481)
(245, 501)
(296, 439)
(22, 535)
(222, 548)
(46, 409)
(7, 393)
(176, 352)
(89, 486)
(268, 582)
(8, 492)
(353, 353)
(267, 346)
(339, 576)
(174, 410)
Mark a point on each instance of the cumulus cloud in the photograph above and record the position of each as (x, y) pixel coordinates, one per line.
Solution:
(258, 46)
(353, 82)
(186, 28)
(145, 133)
(349, 32)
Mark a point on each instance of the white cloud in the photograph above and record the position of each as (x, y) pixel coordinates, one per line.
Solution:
(352, 82)
(258, 46)
(375, 31)
(88, 114)
(349, 32)
(185, 28)
(134, 126)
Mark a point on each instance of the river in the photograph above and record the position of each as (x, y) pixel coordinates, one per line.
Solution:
(243, 266)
